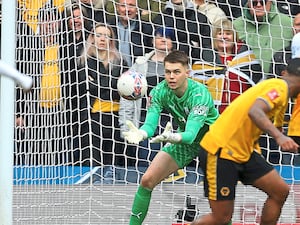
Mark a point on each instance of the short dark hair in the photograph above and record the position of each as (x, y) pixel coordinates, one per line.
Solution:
(293, 67)
(73, 7)
(177, 56)
(70, 11)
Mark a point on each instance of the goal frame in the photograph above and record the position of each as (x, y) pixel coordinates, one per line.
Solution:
(7, 97)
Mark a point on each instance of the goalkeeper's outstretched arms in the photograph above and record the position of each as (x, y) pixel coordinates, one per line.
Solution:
(187, 137)
(135, 135)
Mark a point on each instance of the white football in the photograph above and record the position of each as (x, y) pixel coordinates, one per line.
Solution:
(132, 85)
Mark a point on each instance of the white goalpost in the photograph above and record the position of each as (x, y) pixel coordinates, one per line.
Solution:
(24, 81)
(9, 77)
(45, 171)
(7, 113)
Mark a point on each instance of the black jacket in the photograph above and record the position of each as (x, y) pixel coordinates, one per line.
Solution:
(280, 60)
(141, 36)
(191, 27)
(98, 82)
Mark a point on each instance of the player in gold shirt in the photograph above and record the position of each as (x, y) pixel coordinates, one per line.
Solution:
(229, 153)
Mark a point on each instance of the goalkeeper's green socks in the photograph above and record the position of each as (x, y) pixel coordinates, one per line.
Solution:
(140, 206)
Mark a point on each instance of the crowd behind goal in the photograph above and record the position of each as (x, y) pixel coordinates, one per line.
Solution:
(75, 51)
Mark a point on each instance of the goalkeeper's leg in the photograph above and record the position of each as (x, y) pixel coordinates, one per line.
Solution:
(161, 167)
(140, 206)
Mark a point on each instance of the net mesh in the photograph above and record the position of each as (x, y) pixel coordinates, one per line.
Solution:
(72, 166)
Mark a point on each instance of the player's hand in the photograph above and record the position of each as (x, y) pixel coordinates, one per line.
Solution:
(134, 135)
(167, 136)
(287, 144)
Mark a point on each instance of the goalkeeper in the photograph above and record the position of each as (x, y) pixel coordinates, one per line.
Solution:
(192, 108)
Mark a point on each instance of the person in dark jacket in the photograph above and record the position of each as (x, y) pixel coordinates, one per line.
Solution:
(100, 67)
(134, 36)
(73, 45)
(281, 58)
(94, 11)
(232, 8)
(192, 28)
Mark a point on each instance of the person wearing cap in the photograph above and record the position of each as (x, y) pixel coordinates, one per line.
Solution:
(151, 66)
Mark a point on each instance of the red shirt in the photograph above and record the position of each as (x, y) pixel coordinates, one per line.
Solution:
(234, 85)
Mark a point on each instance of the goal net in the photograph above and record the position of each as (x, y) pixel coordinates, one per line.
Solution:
(71, 165)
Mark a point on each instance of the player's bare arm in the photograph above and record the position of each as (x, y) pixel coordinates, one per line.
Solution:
(257, 113)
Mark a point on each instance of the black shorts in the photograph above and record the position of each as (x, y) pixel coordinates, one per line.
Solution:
(221, 175)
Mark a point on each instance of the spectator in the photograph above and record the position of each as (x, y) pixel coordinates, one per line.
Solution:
(40, 112)
(233, 60)
(150, 65)
(100, 67)
(210, 10)
(232, 8)
(264, 29)
(192, 29)
(133, 35)
(75, 36)
(281, 58)
(94, 11)
(74, 41)
(29, 12)
(76, 21)
(288, 7)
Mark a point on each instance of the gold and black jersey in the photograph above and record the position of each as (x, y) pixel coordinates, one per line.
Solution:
(234, 132)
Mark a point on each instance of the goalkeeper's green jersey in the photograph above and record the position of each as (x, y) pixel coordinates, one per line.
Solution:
(191, 112)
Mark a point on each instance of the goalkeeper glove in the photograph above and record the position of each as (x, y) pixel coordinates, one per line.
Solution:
(134, 135)
(167, 136)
